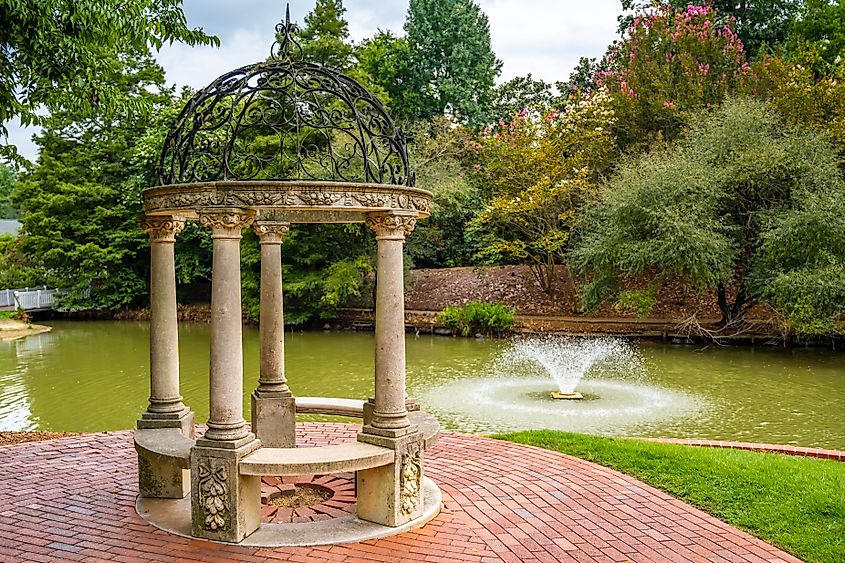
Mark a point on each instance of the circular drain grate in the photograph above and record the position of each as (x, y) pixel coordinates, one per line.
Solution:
(307, 498)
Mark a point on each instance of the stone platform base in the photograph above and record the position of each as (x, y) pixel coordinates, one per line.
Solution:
(565, 396)
(174, 516)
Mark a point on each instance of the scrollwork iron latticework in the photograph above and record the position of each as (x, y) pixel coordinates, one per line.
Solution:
(285, 119)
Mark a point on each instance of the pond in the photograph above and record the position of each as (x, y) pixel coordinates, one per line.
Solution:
(93, 376)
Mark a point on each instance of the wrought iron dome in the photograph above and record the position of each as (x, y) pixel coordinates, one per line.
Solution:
(285, 119)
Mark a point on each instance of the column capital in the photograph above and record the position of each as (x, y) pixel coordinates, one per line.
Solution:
(389, 225)
(162, 228)
(226, 223)
(271, 232)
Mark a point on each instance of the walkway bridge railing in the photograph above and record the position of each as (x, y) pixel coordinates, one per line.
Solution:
(28, 299)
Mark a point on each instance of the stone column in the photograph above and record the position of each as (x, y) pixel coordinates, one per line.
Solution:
(273, 404)
(391, 495)
(165, 409)
(389, 412)
(225, 505)
(226, 421)
(167, 421)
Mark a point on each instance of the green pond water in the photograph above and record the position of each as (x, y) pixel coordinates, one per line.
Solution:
(93, 376)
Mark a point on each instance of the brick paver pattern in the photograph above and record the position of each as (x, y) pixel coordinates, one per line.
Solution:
(820, 453)
(72, 499)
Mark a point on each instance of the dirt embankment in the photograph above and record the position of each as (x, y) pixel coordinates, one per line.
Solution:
(12, 330)
(430, 291)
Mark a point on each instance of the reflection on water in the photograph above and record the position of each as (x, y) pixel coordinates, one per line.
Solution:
(92, 376)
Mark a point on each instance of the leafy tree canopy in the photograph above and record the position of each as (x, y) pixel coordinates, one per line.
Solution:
(517, 94)
(66, 56)
(452, 61)
(81, 202)
(758, 23)
(672, 62)
(743, 204)
(8, 178)
(540, 172)
(820, 28)
(385, 59)
(325, 36)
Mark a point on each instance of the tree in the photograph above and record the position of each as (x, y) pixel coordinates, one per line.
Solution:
(325, 35)
(81, 202)
(820, 28)
(438, 150)
(385, 59)
(452, 62)
(517, 94)
(65, 55)
(728, 208)
(672, 62)
(8, 178)
(758, 23)
(803, 96)
(539, 173)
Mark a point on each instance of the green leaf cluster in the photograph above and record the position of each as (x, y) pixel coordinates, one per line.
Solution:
(478, 316)
(67, 56)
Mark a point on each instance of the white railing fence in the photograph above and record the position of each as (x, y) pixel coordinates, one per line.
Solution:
(28, 299)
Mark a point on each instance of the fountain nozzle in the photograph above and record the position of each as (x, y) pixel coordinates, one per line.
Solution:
(569, 396)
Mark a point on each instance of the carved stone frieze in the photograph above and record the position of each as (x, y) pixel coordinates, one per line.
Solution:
(361, 198)
(162, 228)
(389, 225)
(370, 199)
(410, 480)
(213, 494)
(320, 198)
(226, 223)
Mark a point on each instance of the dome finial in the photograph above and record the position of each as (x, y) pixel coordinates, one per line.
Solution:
(286, 46)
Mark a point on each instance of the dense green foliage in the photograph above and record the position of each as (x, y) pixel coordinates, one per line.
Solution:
(81, 202)
(325, 36)
(797, 504)
(672, 62)
(68, 56)
(741, 200)
(539, 173)
(8, 178)
(760, 24)
(451, 61)
(478, 317)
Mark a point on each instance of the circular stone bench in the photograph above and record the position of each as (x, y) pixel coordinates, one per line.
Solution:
(166, 451)
(319, 460)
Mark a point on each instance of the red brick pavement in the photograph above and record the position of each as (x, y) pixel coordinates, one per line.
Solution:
(820, 453)
(72, 499)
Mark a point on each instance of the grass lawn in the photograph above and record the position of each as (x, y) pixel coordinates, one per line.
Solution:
(797, 504)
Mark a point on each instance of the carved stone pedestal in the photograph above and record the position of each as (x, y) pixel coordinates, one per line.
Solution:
(392, 495)
(225, 505)
(274, 420)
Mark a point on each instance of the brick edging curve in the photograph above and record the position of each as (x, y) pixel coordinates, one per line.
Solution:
(819, 453)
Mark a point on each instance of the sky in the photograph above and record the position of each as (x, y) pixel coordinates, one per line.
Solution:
(542, 37)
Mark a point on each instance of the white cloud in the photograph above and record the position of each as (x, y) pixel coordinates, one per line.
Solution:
(547, 37)
(198, 66)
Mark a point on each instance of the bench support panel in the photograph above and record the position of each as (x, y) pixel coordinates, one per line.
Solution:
(392, 495)
(225, 505)
(274, 420)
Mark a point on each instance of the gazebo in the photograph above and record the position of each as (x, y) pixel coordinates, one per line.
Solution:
(265, 146)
